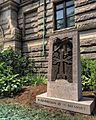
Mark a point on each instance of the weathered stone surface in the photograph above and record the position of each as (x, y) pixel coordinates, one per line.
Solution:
(40, 59)
(90, 49)
(8, 23)
(85, 16)
(82, 2)
(88, 42)
(86, 25)
(34, 46)
(41, 70)
(85, 106)
(85, 8)
(58, 87)
(89, 55)
(41, 65)
(14, 44)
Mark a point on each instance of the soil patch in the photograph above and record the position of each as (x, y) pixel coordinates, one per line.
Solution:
(27, 95)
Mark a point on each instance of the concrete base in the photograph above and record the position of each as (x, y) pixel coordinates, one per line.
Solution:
(86, 105)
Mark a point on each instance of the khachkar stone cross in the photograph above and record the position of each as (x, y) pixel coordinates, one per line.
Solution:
(64, 66)
(64, 88)
(62, 57)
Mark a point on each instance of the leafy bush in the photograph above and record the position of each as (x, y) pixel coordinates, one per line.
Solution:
(15, 71)
(88, 74)
(10, 83)
(34, 79)
(13, 65)
(19, 62)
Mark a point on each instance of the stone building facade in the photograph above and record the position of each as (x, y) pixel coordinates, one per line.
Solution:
(27, 24)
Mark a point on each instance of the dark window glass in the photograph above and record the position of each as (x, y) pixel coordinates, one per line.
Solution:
(69, 3)
(60, 6)
(70, 21)
(59, 14)
(70, 11)
(64, 14)
(60, 24)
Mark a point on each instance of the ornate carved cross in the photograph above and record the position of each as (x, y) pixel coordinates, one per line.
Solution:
(62, 56)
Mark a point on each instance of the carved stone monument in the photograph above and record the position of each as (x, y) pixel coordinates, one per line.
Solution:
(64, 88)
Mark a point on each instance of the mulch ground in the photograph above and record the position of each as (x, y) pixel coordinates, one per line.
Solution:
(28, 97)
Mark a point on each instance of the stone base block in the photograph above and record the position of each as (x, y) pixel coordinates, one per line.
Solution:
(86, 105)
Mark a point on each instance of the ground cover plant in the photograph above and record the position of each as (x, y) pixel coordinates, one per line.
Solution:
(17, 112)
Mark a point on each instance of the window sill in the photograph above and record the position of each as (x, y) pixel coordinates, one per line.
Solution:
(65, 29)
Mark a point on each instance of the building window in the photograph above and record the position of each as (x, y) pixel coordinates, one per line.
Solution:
(64, 14)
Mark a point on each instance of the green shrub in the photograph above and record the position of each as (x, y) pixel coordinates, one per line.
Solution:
(16, 71)
(10, 83)
(88, 74)
(34, 79)
(19, 62)
(13, 65)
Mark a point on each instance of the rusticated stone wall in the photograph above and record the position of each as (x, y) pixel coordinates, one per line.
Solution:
(85, 19)
(22, 27)
(9, 31)
(30, 19)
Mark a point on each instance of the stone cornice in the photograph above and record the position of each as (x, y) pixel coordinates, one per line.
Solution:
(10, 4)
(79, 3)
(28, 2)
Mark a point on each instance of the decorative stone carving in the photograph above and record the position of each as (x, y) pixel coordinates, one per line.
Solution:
(62, 59)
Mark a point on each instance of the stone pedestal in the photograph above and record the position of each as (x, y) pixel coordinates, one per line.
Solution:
(85, 105)
(64, 88)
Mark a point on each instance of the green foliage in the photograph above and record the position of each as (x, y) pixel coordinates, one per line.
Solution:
(34, 79)
(17, 112)
(16, 71)
(13, 65)
(9, 83)
(88, 74)
(19, 62)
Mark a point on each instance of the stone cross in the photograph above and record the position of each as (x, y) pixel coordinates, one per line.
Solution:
(64, 88)
(62, 58)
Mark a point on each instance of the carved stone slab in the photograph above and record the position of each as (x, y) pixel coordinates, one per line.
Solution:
(64, 66)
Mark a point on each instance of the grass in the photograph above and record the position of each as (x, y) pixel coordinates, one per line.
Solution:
(17, 112)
